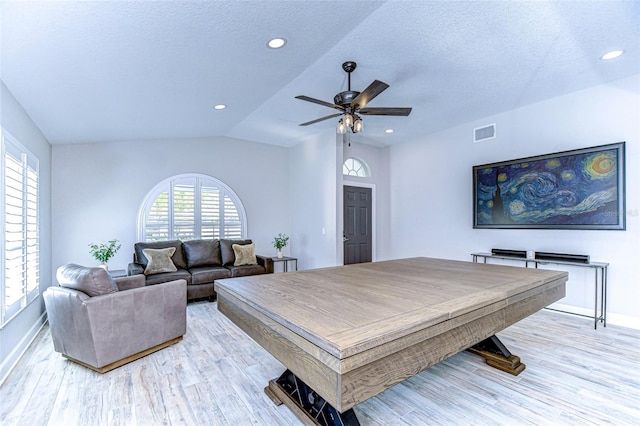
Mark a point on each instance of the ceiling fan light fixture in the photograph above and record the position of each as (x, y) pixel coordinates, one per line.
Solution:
(358, 125)
(341, 129)
(348, 120)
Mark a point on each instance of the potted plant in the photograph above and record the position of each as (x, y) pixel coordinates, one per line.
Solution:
(279, 242)
(104, 252)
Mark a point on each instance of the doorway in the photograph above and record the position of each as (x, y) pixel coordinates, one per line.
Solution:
(357, 224)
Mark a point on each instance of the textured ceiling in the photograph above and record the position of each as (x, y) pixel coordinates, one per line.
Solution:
(128, 70)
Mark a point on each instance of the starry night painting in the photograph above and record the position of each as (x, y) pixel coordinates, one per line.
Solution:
(579, 189)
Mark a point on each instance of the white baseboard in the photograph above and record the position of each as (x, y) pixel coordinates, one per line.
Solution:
(10, 362)
(627, 321)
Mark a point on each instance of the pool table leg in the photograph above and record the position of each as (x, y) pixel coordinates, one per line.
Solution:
(306, 404)
(498, 356)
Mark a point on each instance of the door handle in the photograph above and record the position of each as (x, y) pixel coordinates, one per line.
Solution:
(344, 239)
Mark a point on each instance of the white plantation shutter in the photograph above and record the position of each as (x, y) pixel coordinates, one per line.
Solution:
(20, 271)
(184, 211)
(210, 212)
(232, 222)
(188, 207)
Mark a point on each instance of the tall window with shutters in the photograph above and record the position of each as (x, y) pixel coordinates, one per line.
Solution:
(20, 260)
(191, 206)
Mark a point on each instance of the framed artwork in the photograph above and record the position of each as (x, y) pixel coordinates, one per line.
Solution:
(579, 189)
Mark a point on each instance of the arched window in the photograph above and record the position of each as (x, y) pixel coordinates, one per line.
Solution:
(354, 167)
(191, 206)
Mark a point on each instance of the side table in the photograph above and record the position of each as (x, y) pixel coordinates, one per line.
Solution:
(285, 260)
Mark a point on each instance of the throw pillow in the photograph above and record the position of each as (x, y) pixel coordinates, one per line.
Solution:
(244, 254)
(91, 281)
(226, 250)
(177, 258)
(159, 260)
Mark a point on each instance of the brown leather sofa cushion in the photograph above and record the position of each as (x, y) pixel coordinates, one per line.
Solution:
(226, 249)
(207, 274)
(202, 253)
(177, 258)
(180, 274)
(91, 281)
(243, 271)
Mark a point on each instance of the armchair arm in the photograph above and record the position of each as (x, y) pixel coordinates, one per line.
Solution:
(129, 282)
(135, 269)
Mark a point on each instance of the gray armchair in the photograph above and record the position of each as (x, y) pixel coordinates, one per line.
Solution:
(104, 323)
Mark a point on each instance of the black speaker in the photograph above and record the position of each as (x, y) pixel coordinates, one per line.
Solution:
(565, 257)
(510, 253)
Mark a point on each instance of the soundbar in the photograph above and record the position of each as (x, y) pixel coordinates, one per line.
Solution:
(510, 253)
(578, 258)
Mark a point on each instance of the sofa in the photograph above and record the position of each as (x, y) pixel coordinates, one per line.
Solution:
(198, 262)
(103, 323)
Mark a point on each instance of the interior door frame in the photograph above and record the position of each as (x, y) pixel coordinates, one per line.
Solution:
(372, 186)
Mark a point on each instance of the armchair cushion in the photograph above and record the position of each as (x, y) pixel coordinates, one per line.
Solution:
(90, 281)
(159, 260)
(202, 253)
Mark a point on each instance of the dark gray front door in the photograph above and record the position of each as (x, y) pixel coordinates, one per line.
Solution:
(357, 225)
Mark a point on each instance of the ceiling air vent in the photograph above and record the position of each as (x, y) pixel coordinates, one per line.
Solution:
(484, 133)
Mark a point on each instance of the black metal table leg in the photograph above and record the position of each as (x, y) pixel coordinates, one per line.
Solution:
(310, 407)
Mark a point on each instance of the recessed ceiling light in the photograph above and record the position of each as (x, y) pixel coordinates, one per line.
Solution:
(220, 106)
(611, 55)
(389, 131)
(276, 43)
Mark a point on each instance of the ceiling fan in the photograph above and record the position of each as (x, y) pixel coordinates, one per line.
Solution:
(351, 103)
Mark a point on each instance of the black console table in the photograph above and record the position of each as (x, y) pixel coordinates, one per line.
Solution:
(600, 270)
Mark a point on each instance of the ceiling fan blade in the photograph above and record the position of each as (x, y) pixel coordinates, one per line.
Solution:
(385, 111)
(318, 101)
(321, 119)
(373, 90)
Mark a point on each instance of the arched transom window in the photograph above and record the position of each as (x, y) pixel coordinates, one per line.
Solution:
(354, 167)
(191, 206)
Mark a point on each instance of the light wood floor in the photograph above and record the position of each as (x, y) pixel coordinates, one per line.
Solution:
(216, 375)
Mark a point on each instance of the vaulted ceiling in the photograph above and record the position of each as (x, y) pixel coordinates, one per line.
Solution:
(115, 71)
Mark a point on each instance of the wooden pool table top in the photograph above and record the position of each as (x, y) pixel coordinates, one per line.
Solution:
(349, 309)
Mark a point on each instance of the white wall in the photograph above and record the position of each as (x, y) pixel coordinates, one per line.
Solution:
(431, 189)
(313, 188)
(17, 334)
(98, 189)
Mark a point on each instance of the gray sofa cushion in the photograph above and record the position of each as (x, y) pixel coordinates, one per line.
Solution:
(202, 253)
(243, 271)
(91, 281)
(207, 274)
(180, 274)
(226, 249)
(177, 258)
